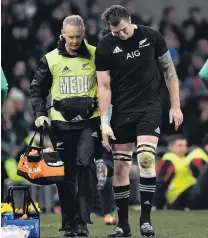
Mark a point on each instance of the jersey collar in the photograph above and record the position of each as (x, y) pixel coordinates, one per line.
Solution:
(135, 27)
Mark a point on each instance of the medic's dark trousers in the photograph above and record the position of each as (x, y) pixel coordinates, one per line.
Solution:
(76, 149)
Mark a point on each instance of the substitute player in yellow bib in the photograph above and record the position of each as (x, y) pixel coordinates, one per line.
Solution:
(68, 74)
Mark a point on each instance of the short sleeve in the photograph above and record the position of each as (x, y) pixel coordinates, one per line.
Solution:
(102, 57)
(160, 44)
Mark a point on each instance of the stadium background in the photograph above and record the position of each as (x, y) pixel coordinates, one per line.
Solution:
(31, 28)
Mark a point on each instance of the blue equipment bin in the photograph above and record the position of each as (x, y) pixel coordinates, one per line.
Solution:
(32, 223)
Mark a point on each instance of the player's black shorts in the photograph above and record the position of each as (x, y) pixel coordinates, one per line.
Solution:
(127, 126)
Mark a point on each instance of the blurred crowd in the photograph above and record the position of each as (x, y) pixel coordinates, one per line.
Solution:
(31, 28)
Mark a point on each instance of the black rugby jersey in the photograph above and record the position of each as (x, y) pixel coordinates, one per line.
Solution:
(135, 76)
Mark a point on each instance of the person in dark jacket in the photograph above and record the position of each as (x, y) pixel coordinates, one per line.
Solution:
(68, 74)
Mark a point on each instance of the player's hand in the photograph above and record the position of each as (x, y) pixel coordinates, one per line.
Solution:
(176, 116)
(40, 121)
(107, 133)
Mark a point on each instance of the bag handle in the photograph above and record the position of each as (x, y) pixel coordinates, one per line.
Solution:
(42, 136)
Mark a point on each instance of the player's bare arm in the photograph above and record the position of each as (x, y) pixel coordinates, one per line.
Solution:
(172, 83)
(104, 92)
(104, 98)
(171, 78)
(167, 66)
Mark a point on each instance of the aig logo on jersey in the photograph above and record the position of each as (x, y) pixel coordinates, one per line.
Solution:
(133, 54)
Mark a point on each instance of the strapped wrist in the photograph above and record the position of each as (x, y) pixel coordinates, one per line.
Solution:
(104, 120)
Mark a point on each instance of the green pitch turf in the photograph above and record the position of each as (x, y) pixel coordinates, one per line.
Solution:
(171, 224)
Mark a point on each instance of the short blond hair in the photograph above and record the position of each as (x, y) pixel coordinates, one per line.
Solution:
(74, 20)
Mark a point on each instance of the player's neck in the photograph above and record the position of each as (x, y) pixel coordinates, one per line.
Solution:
(132, 30)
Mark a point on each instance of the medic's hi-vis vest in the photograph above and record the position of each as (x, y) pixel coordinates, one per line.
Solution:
(72, 77)
(183, 177)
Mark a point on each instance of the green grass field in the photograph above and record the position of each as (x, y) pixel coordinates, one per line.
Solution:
(173, 224)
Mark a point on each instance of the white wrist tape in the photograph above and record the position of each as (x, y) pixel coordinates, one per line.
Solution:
(104, 120)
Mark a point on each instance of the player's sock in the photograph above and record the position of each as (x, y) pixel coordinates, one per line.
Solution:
(121, 194)
(147, 188)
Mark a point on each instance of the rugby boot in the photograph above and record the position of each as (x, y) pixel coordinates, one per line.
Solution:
(147, 230)
(121, 232)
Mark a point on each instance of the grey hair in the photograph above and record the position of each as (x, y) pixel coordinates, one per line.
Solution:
(74, 20)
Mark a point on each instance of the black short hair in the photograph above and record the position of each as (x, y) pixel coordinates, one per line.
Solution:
(114, 14)
(173, 138)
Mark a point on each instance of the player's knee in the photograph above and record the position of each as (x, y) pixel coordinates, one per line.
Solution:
(121, 169)
(122, 163)
(146, 159)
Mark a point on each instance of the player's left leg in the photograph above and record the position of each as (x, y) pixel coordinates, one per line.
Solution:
(148, 132)
(146, 146)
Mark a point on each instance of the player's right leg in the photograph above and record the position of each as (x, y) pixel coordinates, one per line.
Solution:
(122, 154)
(124, 128)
